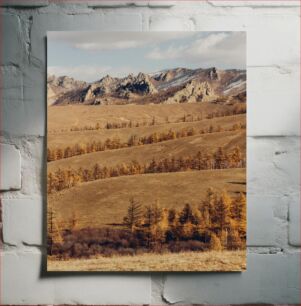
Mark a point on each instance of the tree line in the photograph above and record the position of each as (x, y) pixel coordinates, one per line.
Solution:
(63, 179)
(239, 108)
(218, 223)
(134, 140)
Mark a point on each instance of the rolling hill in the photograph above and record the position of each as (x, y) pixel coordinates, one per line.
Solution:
(186, 146)
(100, 203)
(70, 138)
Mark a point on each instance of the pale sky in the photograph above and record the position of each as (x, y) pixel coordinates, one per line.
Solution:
(89, 56)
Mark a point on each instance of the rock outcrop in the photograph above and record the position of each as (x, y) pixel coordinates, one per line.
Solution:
(58, 86)
(179, 85)
(194, 91)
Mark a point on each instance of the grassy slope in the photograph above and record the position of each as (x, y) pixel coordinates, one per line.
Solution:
(64, 117)
(64, 139)
(188, 261)
(103, 202)
(178, 147)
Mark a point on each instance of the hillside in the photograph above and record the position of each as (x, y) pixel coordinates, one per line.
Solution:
(64, 118)
(102, 202)
(70, 138)
(186, 146)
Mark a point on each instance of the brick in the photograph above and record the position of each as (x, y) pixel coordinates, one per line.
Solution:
(11, 83)
(28, 215)
(250, 3)
(23, 94)
(294, 220)
(273, 101)
(23, 3)
(160, 3)
(33, 166)
(278, 38)
(273, 165)
(10, 169)
(268, 279)
(12, 42)
(119, 4)
(170, 23)
(261, 224)
(23, 282)
(112, 4)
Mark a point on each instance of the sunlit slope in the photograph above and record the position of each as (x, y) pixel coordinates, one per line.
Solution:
(187, 146)
(66, 117)
(103, 202)
(70, 138)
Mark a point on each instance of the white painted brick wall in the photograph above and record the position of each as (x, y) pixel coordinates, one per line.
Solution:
(268, 279)
(294, 220)
(24, 3)
(273, 151)
(28, 215)
(10, 170)
(24, 283)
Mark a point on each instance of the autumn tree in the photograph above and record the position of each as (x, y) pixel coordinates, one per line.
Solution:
(222, 216)
(220, 158)
(96, 172)
(238, 213)
(186, 215)
(207, 207)
(215, 243)
(134, 214)
(236, 157)
(50, 155)
(53, 230)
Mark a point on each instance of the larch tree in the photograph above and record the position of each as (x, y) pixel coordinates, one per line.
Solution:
(223, 216)
(134, 214)
(238, 213)
(215, 243)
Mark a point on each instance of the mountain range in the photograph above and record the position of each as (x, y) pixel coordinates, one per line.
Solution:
(179, 85)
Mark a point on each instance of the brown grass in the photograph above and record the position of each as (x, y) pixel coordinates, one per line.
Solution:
(103, 202)
(64, 139)
(144, 154)
(186, 261)
(64, 117)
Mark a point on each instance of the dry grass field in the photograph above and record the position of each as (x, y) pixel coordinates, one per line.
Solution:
(172, 148)
(187, 261)
(100, 203)
(146, 159)
(70, 138)
(104, 203)
(64, 117)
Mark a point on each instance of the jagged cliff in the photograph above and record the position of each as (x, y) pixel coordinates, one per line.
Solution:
(180, 85)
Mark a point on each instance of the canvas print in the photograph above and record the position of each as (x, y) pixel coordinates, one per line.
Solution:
(146, 151)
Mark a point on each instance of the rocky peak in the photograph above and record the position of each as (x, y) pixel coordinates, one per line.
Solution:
(141, 85)
(107, 79)
(213, 74)
(64, 82)
(194, 91)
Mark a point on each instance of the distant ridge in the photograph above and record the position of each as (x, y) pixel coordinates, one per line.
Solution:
(177, 85)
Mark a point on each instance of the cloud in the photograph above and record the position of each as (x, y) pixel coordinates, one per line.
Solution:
(221, 49)
(90, 73)
(100, 41)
